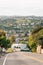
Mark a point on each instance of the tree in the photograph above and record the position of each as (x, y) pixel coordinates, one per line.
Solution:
(2, 33)
(34, 38)
(32, 43)
(12, 38)
(3, 41)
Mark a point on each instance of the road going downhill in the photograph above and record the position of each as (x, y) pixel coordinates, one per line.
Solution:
(19, 58)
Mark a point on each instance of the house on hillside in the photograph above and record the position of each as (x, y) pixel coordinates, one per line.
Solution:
(19, 47)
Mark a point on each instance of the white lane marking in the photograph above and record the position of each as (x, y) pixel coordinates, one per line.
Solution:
(5, 59)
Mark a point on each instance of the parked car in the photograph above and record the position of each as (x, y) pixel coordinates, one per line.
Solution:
(26, 50)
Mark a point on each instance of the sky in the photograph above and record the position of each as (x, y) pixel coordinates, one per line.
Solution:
(21, 7)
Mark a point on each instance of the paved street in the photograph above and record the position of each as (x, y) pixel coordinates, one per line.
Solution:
(2, 59)
(23, 58)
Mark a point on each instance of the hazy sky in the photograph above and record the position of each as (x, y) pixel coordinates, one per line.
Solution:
(21, 7)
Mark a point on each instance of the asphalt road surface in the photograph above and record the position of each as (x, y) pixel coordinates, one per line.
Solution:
(2, 59)
(22, 58)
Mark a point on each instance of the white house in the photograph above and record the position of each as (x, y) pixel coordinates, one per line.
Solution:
(21, 46)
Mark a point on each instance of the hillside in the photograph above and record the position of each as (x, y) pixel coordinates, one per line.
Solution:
(19, 24)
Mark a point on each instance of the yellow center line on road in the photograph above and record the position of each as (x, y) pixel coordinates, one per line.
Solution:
(36, 59)
(33, 58)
